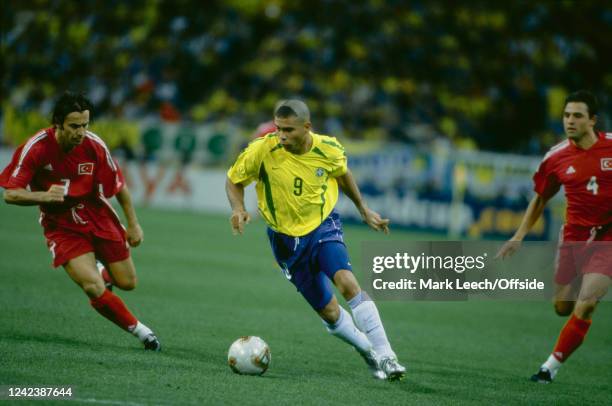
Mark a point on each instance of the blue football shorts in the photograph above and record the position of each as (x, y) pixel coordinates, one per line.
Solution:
(311, 261)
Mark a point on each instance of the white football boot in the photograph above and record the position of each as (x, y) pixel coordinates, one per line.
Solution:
(392, 369)
(371, 360)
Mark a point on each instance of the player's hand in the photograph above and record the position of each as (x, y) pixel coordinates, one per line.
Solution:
(135, 236)
(238, 219)
(508, 249)
(373, 219)
(55, 194)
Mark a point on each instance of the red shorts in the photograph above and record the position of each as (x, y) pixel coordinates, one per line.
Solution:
(583, 250)
(66, 245)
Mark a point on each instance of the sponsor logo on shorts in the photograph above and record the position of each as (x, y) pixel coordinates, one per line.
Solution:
(606, 164)
(86, 168)
(286, 271)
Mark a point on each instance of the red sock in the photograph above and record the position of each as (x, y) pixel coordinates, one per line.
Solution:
(112, 307)
(106, 276)
(571, 337)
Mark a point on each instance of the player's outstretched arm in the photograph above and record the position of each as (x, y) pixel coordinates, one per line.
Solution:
(24, 197)
(370, 217)
(135, 235)
(532, 214)
(235, 195)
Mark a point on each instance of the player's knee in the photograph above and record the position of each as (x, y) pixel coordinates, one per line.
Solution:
(127, 283)
(564, 307)
(124, 275)
(584, 308)
(93, 289)
(330, 313)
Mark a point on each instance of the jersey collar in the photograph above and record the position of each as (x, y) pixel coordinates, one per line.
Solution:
(598, 137)
(316, 140)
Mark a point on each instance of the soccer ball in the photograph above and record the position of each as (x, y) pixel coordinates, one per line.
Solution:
(249, 355)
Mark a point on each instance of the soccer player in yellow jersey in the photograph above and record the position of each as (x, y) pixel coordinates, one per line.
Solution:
(298, 173)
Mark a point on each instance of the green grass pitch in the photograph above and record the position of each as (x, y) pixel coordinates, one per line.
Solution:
(200, 288)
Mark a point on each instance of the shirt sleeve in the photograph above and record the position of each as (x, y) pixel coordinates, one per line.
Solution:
(19, 173)
(338, 160)
(246, 168)
(546, 182)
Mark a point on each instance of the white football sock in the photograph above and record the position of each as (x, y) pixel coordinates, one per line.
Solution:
(368, 320)
(553, 365)
(141, 331)
(346, 330)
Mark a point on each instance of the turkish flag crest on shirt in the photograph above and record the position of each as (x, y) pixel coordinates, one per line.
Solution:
(86, 168)
(606, 164)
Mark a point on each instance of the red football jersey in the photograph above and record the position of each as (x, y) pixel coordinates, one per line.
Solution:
(88, 173)
(586, 176)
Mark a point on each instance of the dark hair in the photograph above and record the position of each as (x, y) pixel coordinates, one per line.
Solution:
(67, 103)
(285, 112)
(586, 97)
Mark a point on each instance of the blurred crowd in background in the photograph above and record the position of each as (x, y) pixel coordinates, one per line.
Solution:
(482, 75)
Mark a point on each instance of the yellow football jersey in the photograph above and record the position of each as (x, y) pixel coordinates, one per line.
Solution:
(295, 193)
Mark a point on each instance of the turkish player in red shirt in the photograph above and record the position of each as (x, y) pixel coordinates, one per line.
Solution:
(68, 171)
(582, 164)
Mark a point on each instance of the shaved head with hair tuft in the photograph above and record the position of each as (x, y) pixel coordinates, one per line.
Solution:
(292, 107)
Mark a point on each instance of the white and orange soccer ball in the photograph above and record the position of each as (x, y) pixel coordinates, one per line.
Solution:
(249, 355)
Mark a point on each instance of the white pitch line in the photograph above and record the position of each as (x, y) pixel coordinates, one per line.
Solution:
(108, 402)
(127, 403)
